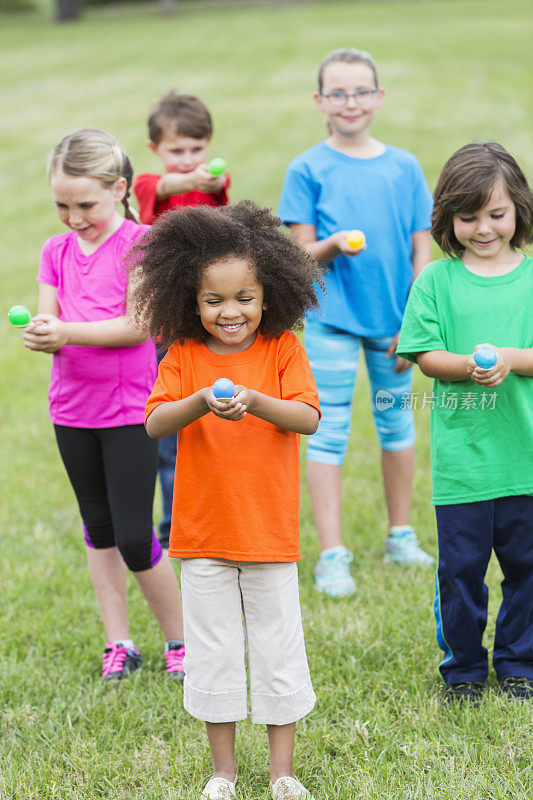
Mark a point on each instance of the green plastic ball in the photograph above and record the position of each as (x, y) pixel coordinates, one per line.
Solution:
(217, 166)
(19, 316)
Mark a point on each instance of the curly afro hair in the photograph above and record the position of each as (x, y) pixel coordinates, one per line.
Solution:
(166, 266)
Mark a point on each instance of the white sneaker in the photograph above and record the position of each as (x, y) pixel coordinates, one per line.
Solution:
(287, 788)
(332, 573)
(219, 789)
(404, 548)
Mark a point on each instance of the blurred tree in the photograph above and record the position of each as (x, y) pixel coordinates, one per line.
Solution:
(16, 5)
(67, 9)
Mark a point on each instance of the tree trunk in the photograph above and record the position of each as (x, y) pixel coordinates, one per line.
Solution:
(67, 9)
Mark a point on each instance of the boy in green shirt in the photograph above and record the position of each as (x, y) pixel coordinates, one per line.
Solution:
(481, 419)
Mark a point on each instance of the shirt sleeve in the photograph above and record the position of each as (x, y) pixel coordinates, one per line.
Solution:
(48, 267)
(222, 197)
(296, 378)
(167, 387)
(299, 196)
(422, 201)
(420, 329)
(145, 190)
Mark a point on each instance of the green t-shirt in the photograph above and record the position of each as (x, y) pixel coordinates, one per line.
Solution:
(481, 439)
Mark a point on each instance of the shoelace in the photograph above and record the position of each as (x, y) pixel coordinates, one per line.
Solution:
(410, 538)
(344, 557)
(113, 659)
(174, 659)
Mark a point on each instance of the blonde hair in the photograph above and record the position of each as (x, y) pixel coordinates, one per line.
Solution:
(347, 55)
(92, 153)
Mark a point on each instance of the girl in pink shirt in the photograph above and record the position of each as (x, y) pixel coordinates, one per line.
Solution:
(102, 373)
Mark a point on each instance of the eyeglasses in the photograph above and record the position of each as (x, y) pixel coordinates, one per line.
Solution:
(362, 96)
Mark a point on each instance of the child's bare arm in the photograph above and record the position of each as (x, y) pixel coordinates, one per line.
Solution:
(181, 182)
(446, 366)
(325, 250)
(48, 334)
(509, 359)
(292, 415)
(171, 417)
(421, 251)
(48, 303)
(521, 360)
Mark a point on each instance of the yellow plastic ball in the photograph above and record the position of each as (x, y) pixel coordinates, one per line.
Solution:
(356, 239)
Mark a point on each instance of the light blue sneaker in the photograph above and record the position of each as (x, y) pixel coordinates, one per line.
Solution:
(332, 573)
(402, 547)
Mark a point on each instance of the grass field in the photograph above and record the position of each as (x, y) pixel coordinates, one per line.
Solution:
(454, 70)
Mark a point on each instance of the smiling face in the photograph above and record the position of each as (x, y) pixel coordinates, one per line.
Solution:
(486, 234)
(230, 305)
(180, 153)
(87, 206)
(353, 115)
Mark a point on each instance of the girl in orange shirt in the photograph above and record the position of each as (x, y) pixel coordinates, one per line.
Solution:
(223, 287)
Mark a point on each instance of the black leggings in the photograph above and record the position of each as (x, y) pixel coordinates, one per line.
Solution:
(113, 472)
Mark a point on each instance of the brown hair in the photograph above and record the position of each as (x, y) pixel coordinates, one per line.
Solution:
(347, 55)
(181, 114)
(92, 153)
(168, 262)
(465, 186)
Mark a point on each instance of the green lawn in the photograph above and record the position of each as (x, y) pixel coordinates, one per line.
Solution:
(454, 71)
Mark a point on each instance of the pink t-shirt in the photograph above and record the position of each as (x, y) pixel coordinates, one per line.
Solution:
(95, 387)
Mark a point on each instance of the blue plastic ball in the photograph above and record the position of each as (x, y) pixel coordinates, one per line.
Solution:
(223, 389)
(485, 357)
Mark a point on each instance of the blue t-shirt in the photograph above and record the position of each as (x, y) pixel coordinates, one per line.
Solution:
(386, 197)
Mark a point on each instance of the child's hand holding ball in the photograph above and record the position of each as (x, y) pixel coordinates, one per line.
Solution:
(222, 400)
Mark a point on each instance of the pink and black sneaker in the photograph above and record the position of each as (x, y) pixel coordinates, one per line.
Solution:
(174, 656)
(119, 661)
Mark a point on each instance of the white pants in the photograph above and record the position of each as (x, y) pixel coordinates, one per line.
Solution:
(217, 594)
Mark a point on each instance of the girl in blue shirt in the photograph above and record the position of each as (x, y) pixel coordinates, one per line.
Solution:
(352, 180)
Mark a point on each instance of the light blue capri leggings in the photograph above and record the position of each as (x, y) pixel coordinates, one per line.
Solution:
(334, 358)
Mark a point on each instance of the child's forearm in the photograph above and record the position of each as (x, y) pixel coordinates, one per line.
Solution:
(171, 417)
(521, 360)
(116, 332)
(445, 366)
(49, 334)
(174, 183)
(292, 415)
(323, 251)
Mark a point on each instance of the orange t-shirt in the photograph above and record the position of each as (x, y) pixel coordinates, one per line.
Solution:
(237, 484)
